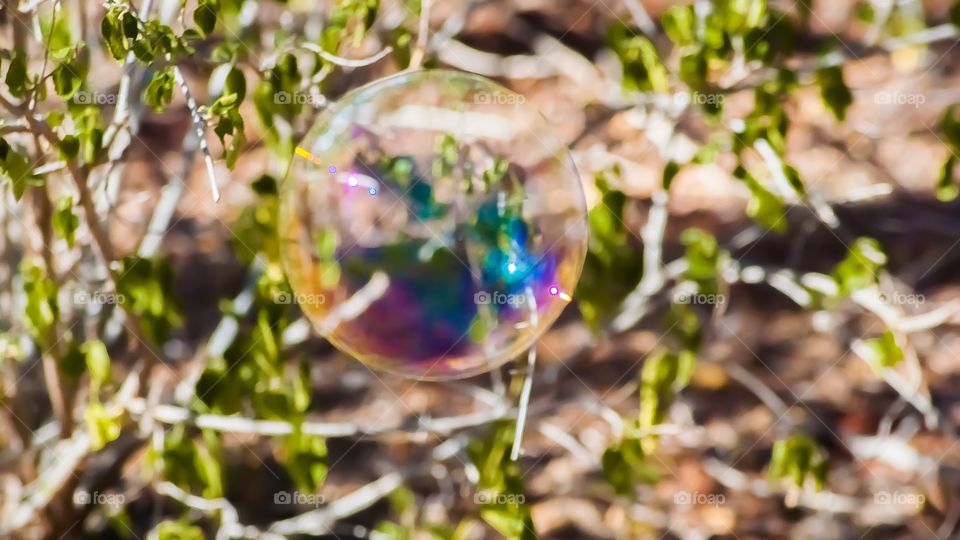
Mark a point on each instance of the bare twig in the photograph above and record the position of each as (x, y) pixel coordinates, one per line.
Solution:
(65, 457)
(641, 17)
(527, 381)
(347, 62)
(322, 520)
(200, 126)
(423, 35)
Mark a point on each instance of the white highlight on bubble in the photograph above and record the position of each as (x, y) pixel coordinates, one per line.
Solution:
(555, 291)
(370, 184)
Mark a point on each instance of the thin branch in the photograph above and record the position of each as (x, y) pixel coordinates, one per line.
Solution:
(527, 381)
(65, 457)
(200, 126)
(346, 62)
(641, 17)
(322, 520)
(172, 415)
(423, 35)
(230, 525)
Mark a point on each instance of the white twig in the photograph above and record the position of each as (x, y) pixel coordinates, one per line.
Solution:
(527, 381)
(356, 304)
(346, 62)
(641, 17)
(520, 66)
(752, 383)
(913, 392)
(322, 520)
(924, 37)
(64, 459)
(637, 304)
(524, 403)
(230, 525)
(652, 236)
(423, 35)
(490, 408)
(570, 443)
(200, 125)
(736, 480)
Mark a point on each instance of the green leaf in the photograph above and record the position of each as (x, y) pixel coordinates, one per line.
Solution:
(130, 25)
(764, 206)
(703, 258)
(356, 14)
(950, 129)
(680, 24)
(946, 189)
(882, 352)
(112, 31)
(740, 16)
(144, 286)
(102, 425)
(89, 131)
(159, 92)
(796, 459)
(306, 460)
(859, 269)
(836, 96)
(500, 487)
(613, 267)
(17, 77)
(69, 147)
(224, 104)
(510, 524)
(72, 363)
(663, 375)
(55, 119)
(178, 530)
(205, 16)
(42, 309)
(55, 29)
(386, 530)
(683, 323)
(98, 362)
(955, 14)
(625, 464)
(144, 50)
(642, 69)
(670, 171)
(16, 167)
(65, 223)
(235, 83)
(230, 124)
(192, 464)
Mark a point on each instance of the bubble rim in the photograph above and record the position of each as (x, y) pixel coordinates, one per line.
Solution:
(385, 364)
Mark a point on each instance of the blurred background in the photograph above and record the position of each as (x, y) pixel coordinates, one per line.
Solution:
(763, 343)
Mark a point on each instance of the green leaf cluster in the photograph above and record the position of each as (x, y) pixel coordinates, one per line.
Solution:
(144, 284)
(613, 267)
(625, 464)
(797, 459)
(500, 487)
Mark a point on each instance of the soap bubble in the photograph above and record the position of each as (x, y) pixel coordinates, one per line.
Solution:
(439, 219)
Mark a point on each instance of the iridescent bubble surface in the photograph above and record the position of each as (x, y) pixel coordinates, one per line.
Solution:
(433, 223)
